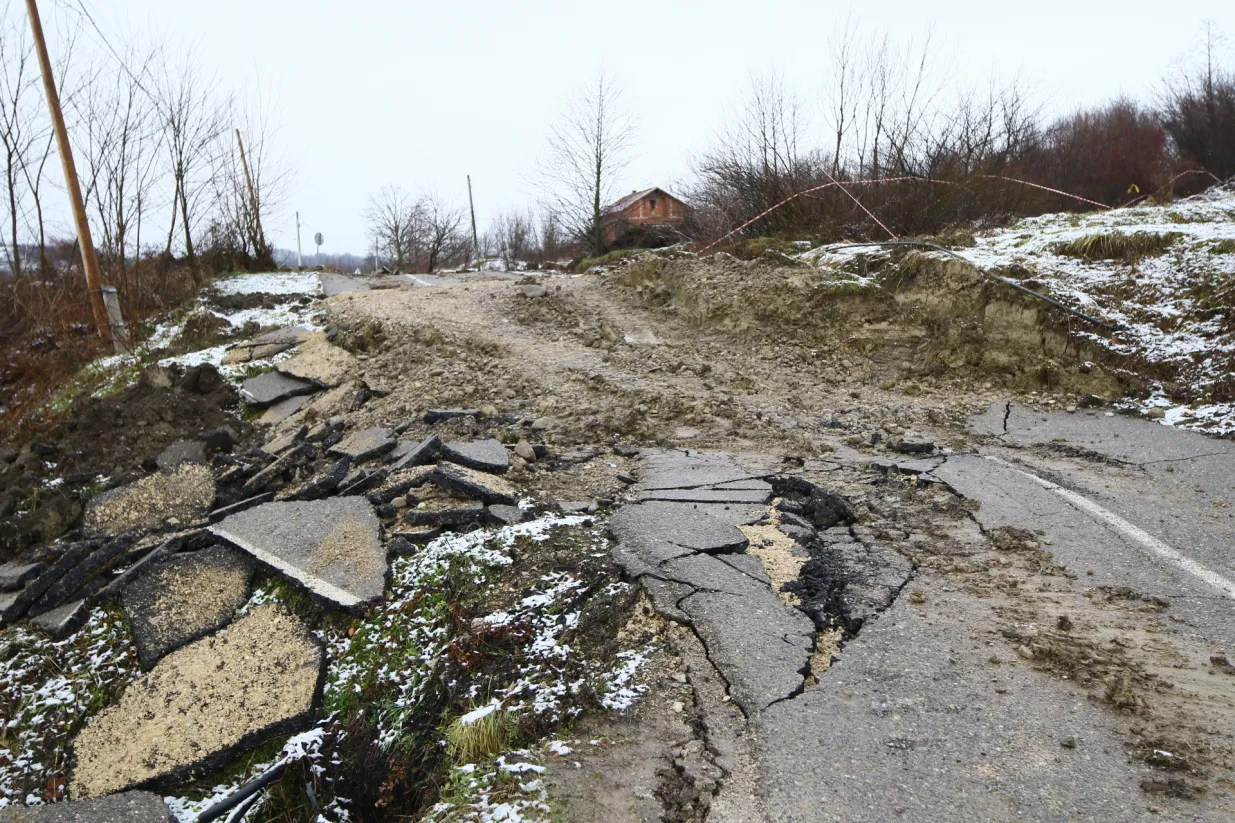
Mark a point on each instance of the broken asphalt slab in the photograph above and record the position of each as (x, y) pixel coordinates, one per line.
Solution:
(266, 345)
(482, 455)
(365, 444)
(471, 483)
(184, 597)
(331, 547)
(644, 524)
(271, 387)
(183, 495)
(201, 705)
(674, 469)
(126, 807)
(319, 362)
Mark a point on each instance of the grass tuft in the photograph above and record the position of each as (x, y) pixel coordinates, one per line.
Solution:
(485, 736)
(1128, 248)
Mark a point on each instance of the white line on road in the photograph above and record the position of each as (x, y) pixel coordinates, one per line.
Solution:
(1133, 532)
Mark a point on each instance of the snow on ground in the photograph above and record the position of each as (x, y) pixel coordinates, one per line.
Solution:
(271, 283)
(1170, 307)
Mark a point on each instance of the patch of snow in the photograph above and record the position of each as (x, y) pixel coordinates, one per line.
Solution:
(271, 283)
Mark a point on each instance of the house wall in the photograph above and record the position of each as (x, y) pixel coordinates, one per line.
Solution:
(667, 209)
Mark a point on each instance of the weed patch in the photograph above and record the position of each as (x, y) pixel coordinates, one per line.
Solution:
(1128, 248)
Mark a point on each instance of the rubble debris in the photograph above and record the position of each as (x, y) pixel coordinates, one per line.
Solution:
(438, 415)
(331, 547)
(266, 345)
(471, 483)
(414, 455)
(218, 440)
(483, 455)
(182, 597)
(282, 410)
(271, 387)
(17, 603)
(15, 575)
(445, 511)
(202, 704)
(502, 515)
(283, 442)
(365, 444)
(184, 494)
(83, 572)
(126, 807)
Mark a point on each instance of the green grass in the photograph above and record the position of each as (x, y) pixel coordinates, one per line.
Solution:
(1128, 248)
(603, 260)
(484, 737)
(1223, 247)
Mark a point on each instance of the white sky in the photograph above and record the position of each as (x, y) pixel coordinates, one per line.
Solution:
(423, 93)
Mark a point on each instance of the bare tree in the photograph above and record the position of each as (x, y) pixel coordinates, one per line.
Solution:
(588, 148)
(238, 216)
(512, 236)
(391, 218)
(21, 128)
(192, 122)
(440, 227)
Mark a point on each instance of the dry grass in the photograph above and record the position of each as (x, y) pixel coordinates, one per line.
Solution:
(484, 737)
(1128, 248)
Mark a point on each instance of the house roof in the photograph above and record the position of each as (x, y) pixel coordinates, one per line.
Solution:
(632, 198)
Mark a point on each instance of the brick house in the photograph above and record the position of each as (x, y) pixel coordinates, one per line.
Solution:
(641, 217)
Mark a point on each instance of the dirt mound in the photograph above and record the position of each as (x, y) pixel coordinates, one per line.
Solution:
(44, 482)
(910, 315)
(254, 300)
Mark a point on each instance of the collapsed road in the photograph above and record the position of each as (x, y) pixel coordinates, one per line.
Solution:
(867, 599)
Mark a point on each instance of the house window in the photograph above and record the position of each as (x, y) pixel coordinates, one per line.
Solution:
(652, 205)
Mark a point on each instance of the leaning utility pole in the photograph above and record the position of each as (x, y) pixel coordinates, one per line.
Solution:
(257, 215)
(299, 262)
(472, 207)
(104, 302)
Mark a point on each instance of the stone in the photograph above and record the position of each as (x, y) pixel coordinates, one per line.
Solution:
(331, 547)
(282, 410)
(502, 515)
(913, 447)
(186, 493)
(319, 362)
(271, 387)
(438, 415)
(577, 507)
(181, 451)
(62, 621)
(218, 440)
(419, 454)
(365, 444)
(484, 455)
(471, 483)
(524, 449)
(15, 575)
(444, 511)
(1156, 413)
(202, 705)
(828, 509)
(533, 292)
(184, 597)
(127, 807)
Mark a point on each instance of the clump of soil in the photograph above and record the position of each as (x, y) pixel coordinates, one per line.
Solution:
(202, 329)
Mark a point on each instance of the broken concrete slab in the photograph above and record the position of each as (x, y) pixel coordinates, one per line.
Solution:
(438, 415)
(321, 363)
(62, 621)
(200, 705)
(753, 497)
(184, 597)
(331, 547)
(688, 470)
(647, 523)
(445, 511)
(474, 484)
(483, 455)
(758, 644)
(181, 451)
(271, 387)
(81, 573)
(416, 455)
(365, 444)
(284, 409)
(126, 807)
(184, 495)
(15, 575)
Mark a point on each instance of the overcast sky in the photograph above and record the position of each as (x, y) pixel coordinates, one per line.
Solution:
(424, 93)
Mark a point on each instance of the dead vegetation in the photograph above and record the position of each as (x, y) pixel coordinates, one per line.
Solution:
(1121, 246)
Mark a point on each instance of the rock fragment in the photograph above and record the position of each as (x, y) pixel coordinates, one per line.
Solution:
(201, 705)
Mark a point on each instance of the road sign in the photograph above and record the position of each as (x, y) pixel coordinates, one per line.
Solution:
(317, 238)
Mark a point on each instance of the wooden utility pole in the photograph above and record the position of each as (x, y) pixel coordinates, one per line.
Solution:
(257, 215)
(110, 325)
(472, 207)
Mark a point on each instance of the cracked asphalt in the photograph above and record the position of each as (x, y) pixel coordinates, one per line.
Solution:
(1031, 623)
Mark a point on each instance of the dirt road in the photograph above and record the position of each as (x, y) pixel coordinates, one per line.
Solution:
(1057, 647)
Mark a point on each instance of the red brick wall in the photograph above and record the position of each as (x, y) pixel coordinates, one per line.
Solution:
(654, 209)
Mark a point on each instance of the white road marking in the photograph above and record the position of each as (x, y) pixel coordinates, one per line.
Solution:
(1131, 531)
